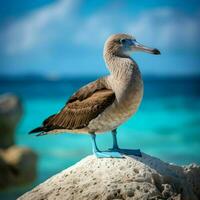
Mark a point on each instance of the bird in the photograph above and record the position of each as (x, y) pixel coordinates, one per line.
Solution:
(106, 103)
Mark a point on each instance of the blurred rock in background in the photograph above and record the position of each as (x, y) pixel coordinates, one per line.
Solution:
(17, 164)
(10, 114)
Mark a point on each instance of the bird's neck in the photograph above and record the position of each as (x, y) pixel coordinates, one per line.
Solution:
(122, 67)
(125, 79)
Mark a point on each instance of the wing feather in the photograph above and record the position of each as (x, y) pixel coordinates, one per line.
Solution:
(83, 106)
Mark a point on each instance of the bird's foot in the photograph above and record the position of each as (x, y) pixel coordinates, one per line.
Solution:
(108, 154)
(132, 152)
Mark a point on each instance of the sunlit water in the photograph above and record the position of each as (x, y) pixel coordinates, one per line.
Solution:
(167, 125)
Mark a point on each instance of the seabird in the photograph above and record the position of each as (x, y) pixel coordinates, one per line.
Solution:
(103, 105)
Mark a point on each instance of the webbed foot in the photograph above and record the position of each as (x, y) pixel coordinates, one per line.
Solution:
(133, 152)
(108, 154)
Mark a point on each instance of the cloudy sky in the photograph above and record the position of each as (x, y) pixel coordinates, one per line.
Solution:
(66, 37)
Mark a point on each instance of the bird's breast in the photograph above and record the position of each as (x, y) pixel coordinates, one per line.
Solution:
(128, 98)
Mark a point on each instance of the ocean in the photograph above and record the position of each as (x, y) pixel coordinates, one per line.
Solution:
(167, 124)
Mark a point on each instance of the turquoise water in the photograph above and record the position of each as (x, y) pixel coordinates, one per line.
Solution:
(167, 125)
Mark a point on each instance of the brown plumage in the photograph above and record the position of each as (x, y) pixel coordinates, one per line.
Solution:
(106, 103)
(81, 108)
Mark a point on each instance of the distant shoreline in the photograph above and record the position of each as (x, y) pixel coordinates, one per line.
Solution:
(40, 78)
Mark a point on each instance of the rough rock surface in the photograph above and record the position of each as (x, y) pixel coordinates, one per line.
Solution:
(129, 178)
(10, 114)
(17, 166)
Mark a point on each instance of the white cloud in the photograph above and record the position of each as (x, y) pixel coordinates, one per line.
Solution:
(96, 28)
(167, 27)
(93, 31)
(164, 27)
(35, 28)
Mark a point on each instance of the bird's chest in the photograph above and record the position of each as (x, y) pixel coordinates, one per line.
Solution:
(126, 82)
(128, 98)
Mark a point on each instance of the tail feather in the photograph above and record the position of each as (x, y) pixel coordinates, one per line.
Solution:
(36, 130)
(44, 128)
(41, 134)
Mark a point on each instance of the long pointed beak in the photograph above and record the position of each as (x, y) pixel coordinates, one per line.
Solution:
(140, 47)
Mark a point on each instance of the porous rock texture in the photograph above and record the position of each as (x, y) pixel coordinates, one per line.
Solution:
(115, 178)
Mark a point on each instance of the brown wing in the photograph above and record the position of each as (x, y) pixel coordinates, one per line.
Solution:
(81, 108)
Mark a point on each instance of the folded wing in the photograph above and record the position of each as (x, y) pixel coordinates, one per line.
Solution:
(81, 108)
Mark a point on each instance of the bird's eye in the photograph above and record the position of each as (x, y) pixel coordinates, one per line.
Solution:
(123, 41)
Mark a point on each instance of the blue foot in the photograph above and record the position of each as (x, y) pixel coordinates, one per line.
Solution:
(132, 152)
(108, 154)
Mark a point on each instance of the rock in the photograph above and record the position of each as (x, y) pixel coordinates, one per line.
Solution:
(193, 176)
(129, 178)
(10, 114)
(17, 166)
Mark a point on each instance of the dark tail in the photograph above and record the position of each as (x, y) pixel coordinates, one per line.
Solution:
(42, 130)
(39, 130)
(36, 130)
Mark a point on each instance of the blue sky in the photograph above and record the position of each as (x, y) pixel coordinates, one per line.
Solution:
(66, 37)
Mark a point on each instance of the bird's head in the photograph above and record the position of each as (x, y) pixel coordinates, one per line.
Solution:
(124, 45)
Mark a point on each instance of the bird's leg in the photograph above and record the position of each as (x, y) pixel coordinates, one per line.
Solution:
(94, 144)
(134, 152)
(102, 154)
(115, 144)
